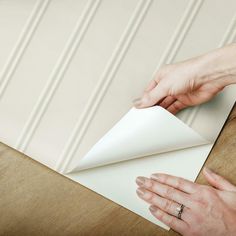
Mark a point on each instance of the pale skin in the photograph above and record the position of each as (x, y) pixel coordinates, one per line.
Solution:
(209, 210)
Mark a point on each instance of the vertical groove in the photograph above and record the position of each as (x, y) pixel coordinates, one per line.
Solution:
(22, 43)
(180, 33)
(228, 37)
(57, 75)
(103, 83)
(230, 33)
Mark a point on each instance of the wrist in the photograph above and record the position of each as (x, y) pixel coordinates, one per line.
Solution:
(218, 66)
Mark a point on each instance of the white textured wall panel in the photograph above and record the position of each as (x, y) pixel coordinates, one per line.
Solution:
(14, 17)
(208, 29)
(32, 70)
(87, 65)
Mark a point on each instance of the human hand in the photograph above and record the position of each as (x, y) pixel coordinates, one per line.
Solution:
(208, 210)
(192, 82)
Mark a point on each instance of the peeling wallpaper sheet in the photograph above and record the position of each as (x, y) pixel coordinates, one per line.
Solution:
(140, 133)
(69, 71)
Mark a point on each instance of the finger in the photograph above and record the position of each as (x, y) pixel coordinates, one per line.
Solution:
(152, 97)
(164, 190)
(152, 84)
(167, 101)
(218, 181)
(166, 205)
(176, 107)
(173, 222)
(176, 182)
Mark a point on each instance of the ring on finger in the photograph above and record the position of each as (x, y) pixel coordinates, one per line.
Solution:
(179, 210)
(172, 208)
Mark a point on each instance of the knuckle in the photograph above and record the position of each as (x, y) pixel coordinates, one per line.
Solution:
(165, 88)
(192, 83)
(175, 105)
(196, 207)
(179, 183)
(207, 192)
(171, 92)
(146, 97)
(161, 215)
(158, 77)
(150, 197)
(167, 206)
(149, 184)
(169, 192)
(204, 196)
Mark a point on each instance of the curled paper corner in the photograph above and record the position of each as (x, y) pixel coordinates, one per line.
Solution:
(139, 133)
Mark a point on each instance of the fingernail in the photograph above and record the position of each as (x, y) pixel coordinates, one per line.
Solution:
(209, 171)
(140, 181)
(137, 102)
(136, 99)
(140, 192)
(155, 176)
(153, 208)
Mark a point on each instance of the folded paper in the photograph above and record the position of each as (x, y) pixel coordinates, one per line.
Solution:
(141, 132)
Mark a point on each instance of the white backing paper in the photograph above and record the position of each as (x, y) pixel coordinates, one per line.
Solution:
(141, 132)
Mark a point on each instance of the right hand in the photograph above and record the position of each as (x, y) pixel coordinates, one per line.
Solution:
(189, 83)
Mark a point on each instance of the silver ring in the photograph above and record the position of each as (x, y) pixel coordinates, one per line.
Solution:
(179, 210)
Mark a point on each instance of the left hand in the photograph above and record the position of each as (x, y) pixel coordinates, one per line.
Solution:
(208, 210)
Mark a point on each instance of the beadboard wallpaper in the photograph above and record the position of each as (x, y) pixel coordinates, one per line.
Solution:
(69, 69)
(62, 62)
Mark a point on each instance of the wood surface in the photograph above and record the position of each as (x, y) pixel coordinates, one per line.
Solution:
(35, 200)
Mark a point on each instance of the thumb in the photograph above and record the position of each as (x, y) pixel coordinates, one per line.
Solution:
(218, 181)
(151, 97)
